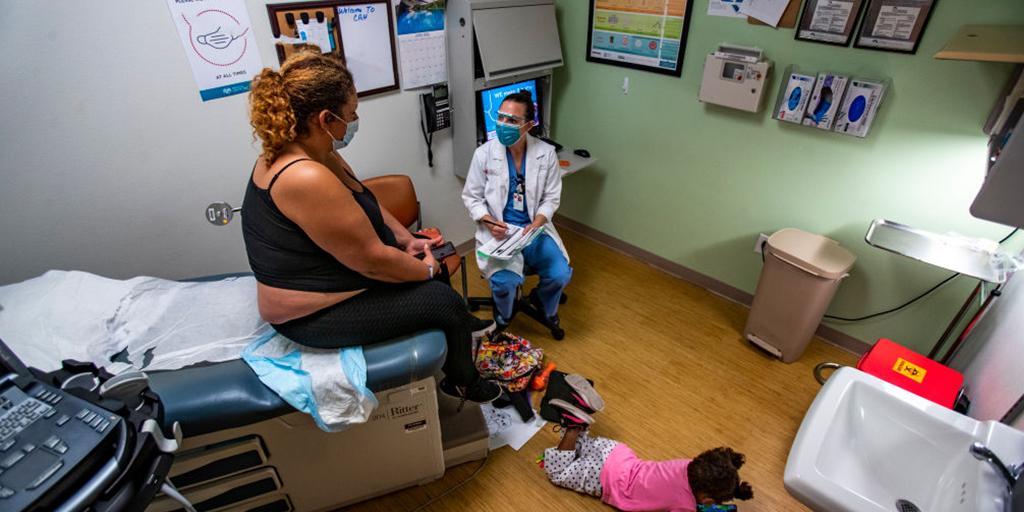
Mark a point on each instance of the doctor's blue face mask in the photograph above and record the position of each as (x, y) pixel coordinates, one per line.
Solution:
(508, 134)
(507, 128)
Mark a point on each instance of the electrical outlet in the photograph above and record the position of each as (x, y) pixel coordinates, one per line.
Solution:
(761, 239)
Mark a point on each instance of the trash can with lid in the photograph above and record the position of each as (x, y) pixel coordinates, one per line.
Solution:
(800, 276)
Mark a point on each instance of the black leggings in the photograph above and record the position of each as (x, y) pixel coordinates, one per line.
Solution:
(389, 311)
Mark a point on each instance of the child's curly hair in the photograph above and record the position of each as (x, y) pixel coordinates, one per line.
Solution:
(716, 474)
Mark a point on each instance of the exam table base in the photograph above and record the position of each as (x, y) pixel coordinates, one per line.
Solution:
(287, 463)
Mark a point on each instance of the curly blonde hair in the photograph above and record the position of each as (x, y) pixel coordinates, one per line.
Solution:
(281, 102)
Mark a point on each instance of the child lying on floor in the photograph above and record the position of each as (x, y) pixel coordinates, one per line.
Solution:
(610, 470)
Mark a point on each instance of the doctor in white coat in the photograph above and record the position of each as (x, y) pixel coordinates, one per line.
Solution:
(515, 179)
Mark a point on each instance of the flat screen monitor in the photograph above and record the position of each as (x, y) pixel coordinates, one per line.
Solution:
(490, 100)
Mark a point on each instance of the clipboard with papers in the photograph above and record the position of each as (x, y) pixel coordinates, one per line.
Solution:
(514, 242)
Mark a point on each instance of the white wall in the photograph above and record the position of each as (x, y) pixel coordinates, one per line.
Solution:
(109, 156)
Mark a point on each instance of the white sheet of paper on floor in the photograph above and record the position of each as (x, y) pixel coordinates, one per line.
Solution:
(315, 33)
(507, 428)
(725, 8)
(767, 11)
(859, 106)
(792, 104)
(828, 94)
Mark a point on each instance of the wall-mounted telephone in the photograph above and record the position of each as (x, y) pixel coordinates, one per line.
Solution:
(436, 116)
(437, 112)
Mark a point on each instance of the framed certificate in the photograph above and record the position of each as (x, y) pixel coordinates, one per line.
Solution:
(828, 21)
(648, 35)
(894, 25)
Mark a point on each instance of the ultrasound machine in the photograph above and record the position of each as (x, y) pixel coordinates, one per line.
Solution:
(79, 439)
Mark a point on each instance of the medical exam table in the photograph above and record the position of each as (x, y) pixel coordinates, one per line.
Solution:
(245, 449)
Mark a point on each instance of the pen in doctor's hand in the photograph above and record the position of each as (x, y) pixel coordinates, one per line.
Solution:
(498, 230)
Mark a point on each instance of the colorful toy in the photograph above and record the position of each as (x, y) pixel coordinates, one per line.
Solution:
(540, 379)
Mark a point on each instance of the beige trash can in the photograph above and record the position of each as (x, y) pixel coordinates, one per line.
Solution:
(800, 276)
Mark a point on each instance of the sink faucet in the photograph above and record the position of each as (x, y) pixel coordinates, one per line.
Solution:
(1010, 473)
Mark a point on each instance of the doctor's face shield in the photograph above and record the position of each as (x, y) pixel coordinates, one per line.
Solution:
(512, 122)
(510, 118)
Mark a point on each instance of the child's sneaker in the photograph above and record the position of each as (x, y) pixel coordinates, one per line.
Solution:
(559, 388)
(570, 415)
(584, 393)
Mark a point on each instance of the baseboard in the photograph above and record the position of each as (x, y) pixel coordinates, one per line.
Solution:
(829, 334)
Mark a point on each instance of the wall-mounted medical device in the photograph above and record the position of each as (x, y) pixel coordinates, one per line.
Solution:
(735, 77)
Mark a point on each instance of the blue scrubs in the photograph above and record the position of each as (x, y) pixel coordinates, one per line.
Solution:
(542, 257)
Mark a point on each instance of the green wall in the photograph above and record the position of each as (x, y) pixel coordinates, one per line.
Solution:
(696, 183)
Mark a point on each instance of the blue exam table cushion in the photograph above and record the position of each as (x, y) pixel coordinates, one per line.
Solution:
(226, 395)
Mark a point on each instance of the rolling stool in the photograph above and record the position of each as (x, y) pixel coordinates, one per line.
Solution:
(521, 303)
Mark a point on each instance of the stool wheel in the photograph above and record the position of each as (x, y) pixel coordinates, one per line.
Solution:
(473, 307)
(558, 333)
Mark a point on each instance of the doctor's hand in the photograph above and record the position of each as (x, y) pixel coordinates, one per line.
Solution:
(537, 223)
(498, 229)
(421, 245)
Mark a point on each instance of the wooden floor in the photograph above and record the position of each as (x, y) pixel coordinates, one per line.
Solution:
(676, 375)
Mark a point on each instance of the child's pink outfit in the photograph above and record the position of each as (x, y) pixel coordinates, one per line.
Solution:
(605, 468)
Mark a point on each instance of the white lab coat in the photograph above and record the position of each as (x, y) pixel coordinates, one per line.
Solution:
(486, 192)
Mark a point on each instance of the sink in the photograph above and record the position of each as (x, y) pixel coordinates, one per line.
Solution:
(866, 445)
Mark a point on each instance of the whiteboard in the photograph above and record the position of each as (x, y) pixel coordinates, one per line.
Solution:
(368, 45)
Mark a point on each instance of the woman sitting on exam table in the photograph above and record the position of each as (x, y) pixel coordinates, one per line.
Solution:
(333, 268)
(514, 179)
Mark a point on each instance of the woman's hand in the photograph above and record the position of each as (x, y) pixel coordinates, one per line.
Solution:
(429, 259)
(498, 229)
(421, 245)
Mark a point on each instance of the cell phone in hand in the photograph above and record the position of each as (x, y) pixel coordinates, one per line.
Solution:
(443, 251)
(440, 252)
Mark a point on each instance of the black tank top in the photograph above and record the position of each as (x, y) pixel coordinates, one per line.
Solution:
(282, 255)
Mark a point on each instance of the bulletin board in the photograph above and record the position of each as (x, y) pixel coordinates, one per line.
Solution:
(361, 34)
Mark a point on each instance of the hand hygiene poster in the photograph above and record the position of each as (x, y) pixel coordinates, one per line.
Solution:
(646, 33)
(218, 39)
